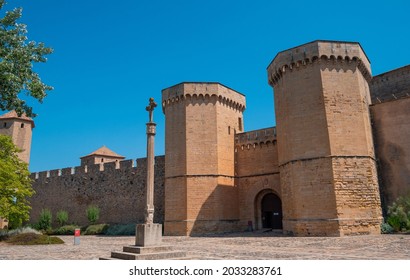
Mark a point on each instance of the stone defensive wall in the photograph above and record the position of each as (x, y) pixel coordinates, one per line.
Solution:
(391, 130)
(117, 189)
(390, 113)
(391, 85)
(256, 172)
(256, 153)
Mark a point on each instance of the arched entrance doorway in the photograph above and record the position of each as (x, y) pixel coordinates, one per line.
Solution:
(271, 207)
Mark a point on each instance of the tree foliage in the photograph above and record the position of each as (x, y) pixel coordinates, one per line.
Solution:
(17, 56)
(15, 183)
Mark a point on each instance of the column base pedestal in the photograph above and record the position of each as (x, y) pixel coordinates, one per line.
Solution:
(148, 235)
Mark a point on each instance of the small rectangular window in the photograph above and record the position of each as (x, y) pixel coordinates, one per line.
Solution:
(5, 125)
(22, 125)
(240, 124)
(229, 130)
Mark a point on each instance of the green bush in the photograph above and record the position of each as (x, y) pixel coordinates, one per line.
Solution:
(65, 230)
(127, 229)
(398, 214)
(93, 214)
(5, 234)
(62, 217)
(96, 229)
(386, 228)
(45, 220)
(33, 239)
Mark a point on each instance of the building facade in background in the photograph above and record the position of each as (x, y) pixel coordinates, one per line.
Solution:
(339, 154)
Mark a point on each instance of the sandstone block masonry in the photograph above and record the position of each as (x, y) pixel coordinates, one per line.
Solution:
(326, 158)
(118, 190)
(200, 191)
(20, 131)
(340, 150)
(391, 129)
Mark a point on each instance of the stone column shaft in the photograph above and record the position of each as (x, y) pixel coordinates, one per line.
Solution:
(149, 212)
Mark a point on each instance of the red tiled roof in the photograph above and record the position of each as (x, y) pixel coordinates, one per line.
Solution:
(104, 151)
(13, 115)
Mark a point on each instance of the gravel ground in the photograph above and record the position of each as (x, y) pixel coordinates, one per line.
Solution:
(243, 246)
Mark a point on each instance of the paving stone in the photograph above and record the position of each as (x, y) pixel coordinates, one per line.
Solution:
(235, 246)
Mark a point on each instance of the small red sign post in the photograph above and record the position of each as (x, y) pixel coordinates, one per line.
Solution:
(77, 233)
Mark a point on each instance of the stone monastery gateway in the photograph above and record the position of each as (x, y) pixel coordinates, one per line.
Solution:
(340, 153)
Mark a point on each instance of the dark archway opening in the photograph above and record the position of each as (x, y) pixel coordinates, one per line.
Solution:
(271, 211)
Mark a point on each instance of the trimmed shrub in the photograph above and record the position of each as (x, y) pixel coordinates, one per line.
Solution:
(93, 214)
(62, 217)
(65, 230)
(33, 239)
(127, 229)
(96, 229)
(9, 233)
(45, 220)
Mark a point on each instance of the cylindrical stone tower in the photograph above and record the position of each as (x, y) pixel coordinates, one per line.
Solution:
(326, 156)
(200, 192)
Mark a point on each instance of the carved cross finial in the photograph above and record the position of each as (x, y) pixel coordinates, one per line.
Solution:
(150, 108)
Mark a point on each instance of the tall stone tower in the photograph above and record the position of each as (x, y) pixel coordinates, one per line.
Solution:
(200, 192)
(20, 130)
(326, 155)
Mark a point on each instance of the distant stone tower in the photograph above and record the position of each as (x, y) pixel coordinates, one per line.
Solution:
(200, 192)
(326, 156)
(20, 130)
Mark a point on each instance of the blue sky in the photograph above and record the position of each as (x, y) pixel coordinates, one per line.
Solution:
(111, 56)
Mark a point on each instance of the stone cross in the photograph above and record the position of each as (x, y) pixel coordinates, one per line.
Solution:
(150, 109)
(149, 212)
(149, 234)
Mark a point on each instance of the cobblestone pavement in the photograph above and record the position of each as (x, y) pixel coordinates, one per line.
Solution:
(257, 245)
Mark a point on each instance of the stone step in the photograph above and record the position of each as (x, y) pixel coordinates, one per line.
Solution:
(146, 250)
(149, 256)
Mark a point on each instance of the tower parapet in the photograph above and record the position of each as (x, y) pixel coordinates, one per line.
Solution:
(194, 92)
(316, 52)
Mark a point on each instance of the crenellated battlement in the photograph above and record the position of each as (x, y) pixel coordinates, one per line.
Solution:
(391, 85)
(118, 189)
(95, 169)
(252, 139)
(195, 93)
(324, 52)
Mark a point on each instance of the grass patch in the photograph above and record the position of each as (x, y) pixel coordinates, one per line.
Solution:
(96, 229)
(33, 239)
(65, 230)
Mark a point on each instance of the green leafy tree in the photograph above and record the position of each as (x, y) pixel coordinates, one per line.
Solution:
(15, 184)
(17, 56)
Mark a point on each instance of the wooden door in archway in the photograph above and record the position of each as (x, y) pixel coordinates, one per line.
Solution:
(271, 211)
